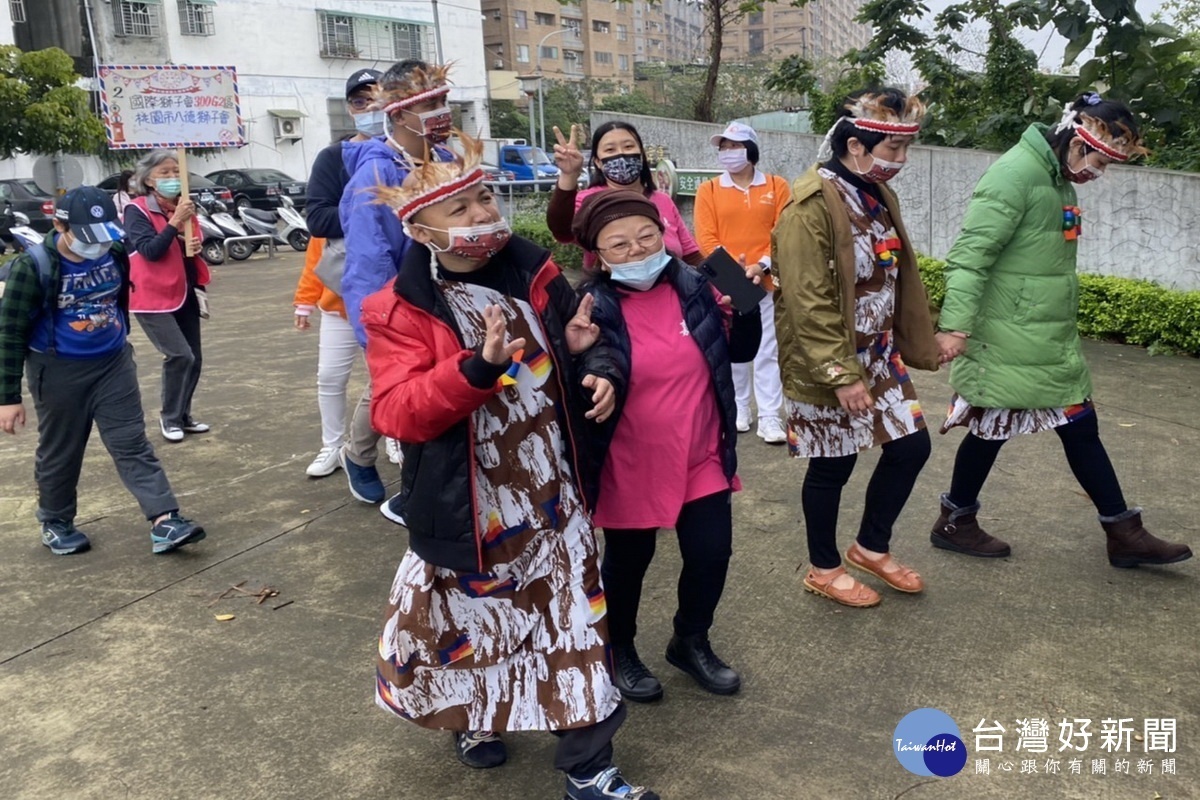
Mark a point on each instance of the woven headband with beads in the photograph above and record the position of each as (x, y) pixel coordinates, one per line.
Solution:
(416, 98)
(437, 194)
(868, 113)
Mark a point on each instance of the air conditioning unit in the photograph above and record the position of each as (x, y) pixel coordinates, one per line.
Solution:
(289, 128)
(496, 15)
(498, 63)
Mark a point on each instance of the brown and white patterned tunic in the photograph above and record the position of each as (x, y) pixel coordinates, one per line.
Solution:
(821, 431)
(521, 645)
(1005, 423)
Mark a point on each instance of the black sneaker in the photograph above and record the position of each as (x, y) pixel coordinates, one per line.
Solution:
(694, 655)
(174, 532)
(480, 749)
(606, 784)
(63, 538)
(633, 678)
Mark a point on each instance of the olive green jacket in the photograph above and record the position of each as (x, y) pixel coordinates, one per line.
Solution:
(812, 257)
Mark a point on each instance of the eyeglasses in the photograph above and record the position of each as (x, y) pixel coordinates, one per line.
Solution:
(359, 103)
(623, 249)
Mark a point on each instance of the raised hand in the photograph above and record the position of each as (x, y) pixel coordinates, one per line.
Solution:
(495, 351)
(567, 155)
(604, 397)
(582, 333)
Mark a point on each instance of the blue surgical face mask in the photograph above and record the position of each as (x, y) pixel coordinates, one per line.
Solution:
(369, 123)
(168, 187)
(640, 275)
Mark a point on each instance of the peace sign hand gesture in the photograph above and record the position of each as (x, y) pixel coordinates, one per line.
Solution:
(582, 333)
(567, 155)
(495, 351)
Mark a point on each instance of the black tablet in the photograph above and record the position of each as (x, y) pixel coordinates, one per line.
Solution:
(729, 277)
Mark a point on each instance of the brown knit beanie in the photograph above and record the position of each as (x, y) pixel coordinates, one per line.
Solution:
(605, 206)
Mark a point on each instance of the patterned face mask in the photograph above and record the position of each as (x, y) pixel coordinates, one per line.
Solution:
(880, 171)
(622, 169)
(475, 243)
(435, 125)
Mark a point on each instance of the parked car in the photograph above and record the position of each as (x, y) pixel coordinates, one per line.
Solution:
(497, 175)
(260, 188)
(25, 196)
(199, 188)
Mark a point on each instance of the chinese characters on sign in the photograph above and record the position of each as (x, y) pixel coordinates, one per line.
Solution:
(171, 106)
(1114, 737)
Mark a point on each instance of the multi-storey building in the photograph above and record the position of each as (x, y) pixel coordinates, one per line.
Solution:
(595, 39)
(818, 31)
(292, 56)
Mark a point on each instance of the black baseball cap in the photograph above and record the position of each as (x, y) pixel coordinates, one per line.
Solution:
(90, 214)
(361, 78)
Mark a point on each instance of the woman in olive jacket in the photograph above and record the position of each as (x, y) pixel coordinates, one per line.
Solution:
(851, 312)
(1012, 298)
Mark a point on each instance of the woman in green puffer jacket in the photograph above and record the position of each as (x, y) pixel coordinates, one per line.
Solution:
(1009, 324)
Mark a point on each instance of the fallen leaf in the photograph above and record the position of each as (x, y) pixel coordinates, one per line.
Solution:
(223, 617)
(304, 511)
(1137, 737)
(1126, 424)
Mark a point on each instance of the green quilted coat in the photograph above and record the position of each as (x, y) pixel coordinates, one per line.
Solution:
(1011, 284)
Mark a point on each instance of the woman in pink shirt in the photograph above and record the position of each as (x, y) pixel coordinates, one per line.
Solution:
(618, 162)
(669, 449)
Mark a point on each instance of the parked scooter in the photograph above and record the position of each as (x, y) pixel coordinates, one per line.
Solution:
(295, 231)
(213, 246)
(216, 215)
(15, 231)
(284, 225)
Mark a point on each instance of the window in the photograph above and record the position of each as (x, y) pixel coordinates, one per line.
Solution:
(520, 19)
(340, 121)
(548, 52)
(599, 27)
(543, 19)
(755, 19)
(603, 58)
(623, 63)
(16, 9)
(622, 33)
(573, 25)
(372, 38)
(573, 62)
(756, 42)
(196, 18)
(136, 18)
(522, 54)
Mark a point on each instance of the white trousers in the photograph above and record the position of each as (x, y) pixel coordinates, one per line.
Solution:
(337, 351)
(767, 385)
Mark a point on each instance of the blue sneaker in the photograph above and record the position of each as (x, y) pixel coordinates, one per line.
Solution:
(606, 784)
(392, 510)
(174, 532)
(480, 749)
(364, 482)
(63, 538)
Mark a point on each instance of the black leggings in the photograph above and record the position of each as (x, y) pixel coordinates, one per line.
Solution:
(888, 491)
(705, 532)
(1085, 455)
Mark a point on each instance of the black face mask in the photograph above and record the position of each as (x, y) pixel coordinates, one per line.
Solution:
(625, 169)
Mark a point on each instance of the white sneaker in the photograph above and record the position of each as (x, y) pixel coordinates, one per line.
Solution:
(172, 433)
(771, 431)
(394, 453)
(326, 462)
(390, 508)
(743, 420)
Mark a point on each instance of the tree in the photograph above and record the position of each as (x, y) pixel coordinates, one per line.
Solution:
(507, 122)
(41, 108)
(636, 102)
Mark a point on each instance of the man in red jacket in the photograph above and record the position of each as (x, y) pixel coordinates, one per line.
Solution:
(483, 362)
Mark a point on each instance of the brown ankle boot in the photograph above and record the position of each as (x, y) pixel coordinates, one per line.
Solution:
(1130, 544)
(957, 530)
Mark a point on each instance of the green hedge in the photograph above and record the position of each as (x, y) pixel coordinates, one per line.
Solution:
(1117, 309)
(568, 256)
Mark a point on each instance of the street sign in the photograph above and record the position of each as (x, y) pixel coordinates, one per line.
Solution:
(170, 106)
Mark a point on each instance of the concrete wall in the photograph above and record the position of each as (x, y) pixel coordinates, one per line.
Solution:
(1137, 222)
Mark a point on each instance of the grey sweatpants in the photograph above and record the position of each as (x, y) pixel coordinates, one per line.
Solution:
(70, 394)
(177, 337)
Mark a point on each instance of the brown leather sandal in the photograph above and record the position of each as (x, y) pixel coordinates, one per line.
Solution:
(903, 579)
(857, 596)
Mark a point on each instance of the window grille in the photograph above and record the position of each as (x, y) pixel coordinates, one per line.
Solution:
(16, 9)
(135, 18)
(196, 19)
(373, 39)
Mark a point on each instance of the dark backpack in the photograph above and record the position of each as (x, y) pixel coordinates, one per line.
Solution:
(44, 268)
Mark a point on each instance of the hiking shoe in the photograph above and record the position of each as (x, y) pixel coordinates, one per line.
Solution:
(391, 510)
(172, 433)
(326, 462)
(191, 426)
(480, 749)
(364, 482)
(174, 532)
(771, 431)
(64, 539)
(606, 784)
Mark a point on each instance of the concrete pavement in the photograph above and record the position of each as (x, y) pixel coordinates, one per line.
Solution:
(117, 681)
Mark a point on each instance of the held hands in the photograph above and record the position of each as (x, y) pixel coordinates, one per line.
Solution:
(950, 346)
(855, 398)
(13, 415)
(604, 397)
(582, 333)
(184, 211)
(495, 351)
(568, 158)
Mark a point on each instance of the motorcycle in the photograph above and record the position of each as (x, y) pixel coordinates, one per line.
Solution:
(15, 231)
(295, 231)
(284, 225)
(215, 214)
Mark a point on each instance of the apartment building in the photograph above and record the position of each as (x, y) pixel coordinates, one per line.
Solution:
(821, 30)
(595, 39)
(292, 56)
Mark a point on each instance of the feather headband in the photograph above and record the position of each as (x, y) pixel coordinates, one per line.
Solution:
(868, 112)
(417, 86)
(1096, 133)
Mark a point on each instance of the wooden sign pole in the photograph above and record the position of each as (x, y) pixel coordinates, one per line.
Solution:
(190, 245)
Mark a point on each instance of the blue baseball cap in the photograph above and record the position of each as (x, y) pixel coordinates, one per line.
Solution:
(90, 214)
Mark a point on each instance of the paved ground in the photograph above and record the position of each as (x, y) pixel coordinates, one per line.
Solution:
(117, 681)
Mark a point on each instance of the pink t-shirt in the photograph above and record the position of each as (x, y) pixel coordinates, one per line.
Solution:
(665, 450)
(676, 236)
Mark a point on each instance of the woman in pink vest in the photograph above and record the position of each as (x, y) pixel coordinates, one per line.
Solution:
(167, 286)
